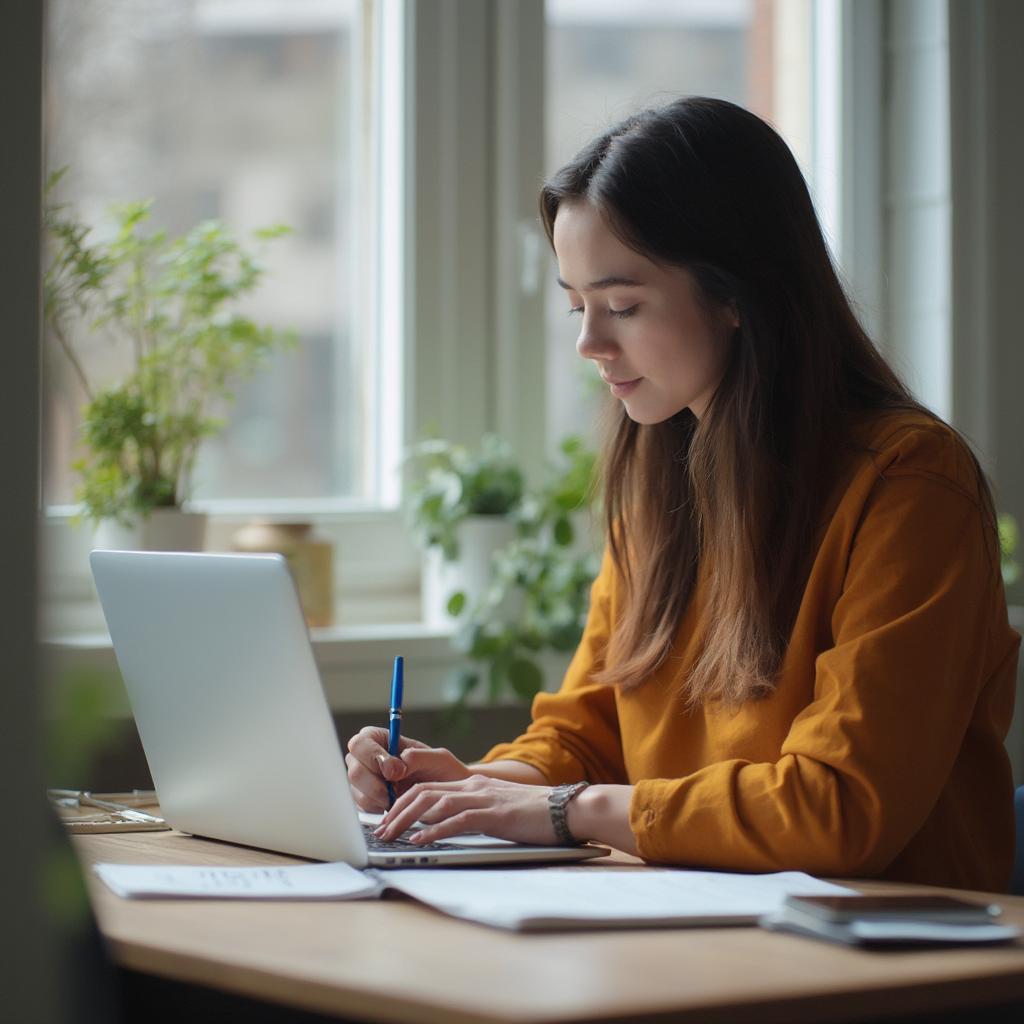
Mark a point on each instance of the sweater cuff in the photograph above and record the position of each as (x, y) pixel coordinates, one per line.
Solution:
(646, 810)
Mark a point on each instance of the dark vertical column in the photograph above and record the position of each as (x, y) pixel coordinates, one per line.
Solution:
(26, 965)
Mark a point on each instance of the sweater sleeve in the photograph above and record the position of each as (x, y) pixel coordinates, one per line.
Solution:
(864, 763)
(574, 733)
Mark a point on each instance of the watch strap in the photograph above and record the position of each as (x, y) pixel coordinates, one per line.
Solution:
(558, 802)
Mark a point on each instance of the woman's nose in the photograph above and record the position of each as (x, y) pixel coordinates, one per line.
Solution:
(592, 343)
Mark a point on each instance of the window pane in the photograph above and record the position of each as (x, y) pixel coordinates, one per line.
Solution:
(241, 111)
(606, 59)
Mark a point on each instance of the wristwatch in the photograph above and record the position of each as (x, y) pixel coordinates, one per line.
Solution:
(558, 801)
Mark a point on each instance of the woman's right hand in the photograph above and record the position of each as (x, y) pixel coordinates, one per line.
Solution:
(371, 767)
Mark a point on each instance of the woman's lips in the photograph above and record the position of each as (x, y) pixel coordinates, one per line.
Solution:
(622, 388)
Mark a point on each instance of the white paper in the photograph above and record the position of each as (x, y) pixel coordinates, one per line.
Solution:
(300, 882)
(558, 897)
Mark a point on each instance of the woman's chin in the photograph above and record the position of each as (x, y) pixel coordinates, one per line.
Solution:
(648, 416)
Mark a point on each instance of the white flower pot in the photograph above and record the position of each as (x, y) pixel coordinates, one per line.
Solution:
(164, 529)
(479, 537)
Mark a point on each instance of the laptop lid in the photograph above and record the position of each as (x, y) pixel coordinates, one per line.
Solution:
(220, 674)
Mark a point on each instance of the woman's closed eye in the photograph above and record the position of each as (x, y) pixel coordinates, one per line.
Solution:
(620, 313)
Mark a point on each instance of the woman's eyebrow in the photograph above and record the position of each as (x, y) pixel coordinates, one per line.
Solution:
(604, 282)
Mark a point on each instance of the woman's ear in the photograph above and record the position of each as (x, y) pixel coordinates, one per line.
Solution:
(733, 312)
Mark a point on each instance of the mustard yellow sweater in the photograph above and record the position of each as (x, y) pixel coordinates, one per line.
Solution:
(880, 753)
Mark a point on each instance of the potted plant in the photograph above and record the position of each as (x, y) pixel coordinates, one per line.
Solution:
(547, 571)
(171, 302)
(461, 505)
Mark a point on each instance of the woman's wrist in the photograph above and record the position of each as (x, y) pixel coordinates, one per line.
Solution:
(601, 814)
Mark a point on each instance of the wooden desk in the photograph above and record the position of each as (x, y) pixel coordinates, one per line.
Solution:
(344, 958)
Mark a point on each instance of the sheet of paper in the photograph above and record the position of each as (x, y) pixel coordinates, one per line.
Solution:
(529, 898)
(300, 882)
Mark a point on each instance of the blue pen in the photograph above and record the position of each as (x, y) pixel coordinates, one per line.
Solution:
(395, 719)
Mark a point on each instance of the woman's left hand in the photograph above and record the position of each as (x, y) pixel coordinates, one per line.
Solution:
(509, 810)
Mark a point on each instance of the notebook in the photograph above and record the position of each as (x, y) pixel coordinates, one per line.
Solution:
(518, 899)
(220, 674)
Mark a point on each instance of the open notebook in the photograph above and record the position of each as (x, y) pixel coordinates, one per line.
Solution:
(521, 899)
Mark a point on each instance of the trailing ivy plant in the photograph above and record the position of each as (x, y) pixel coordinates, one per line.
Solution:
(546, 574)
(171, 301)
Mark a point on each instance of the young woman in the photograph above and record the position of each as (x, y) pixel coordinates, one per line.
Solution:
(797, 654)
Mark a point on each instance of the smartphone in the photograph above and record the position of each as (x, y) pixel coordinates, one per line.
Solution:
(943, 909)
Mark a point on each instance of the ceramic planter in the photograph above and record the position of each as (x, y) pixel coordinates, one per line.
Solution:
(479, 537)
(164, 529)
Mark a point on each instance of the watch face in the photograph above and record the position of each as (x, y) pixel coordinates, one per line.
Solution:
(558, 799)
(561, 795)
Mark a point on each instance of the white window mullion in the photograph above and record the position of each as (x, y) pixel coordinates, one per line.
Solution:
(520, 248)
(449, 162)
(918, 200)
(394, 269)
(846, 167)
(477, 313)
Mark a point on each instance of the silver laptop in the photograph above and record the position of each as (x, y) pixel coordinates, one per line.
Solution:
(216, 659)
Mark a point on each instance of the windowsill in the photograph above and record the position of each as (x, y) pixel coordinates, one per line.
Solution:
(376, 566)
(354, 664)
(341, 641)
(377, 608)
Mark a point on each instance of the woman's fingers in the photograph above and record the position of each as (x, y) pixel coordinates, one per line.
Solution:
(429, 802)
(391, 768)
(472, 819)
(434, 764)
(368, 788)
(508, 810)
(370, 747)
(365, 803)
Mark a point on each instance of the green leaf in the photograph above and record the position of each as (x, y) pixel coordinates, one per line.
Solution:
(271, 231)
(1008, 536)
(467, 683)
(525, 677)
(485, 646)
(456, 603)
(563, 532)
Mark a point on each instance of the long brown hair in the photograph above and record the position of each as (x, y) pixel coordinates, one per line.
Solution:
(705, 185)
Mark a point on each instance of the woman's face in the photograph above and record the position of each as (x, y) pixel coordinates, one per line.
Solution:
(658, 348)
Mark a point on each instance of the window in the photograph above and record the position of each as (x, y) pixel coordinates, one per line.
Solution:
(252, 113)
(403, 141)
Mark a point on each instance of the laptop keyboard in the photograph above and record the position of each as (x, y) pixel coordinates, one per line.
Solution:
(402, 842)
